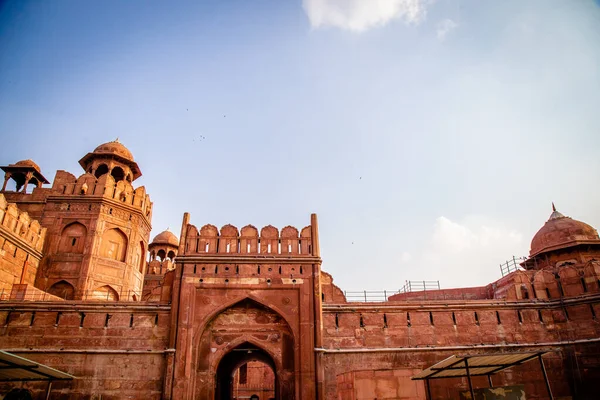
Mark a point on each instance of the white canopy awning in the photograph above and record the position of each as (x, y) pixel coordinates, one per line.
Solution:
(15, 368)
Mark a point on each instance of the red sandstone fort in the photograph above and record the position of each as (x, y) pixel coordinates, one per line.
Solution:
(102, 312)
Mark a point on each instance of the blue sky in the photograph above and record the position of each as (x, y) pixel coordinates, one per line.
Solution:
(429, 136)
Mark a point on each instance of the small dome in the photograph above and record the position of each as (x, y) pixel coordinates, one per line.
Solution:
(166, 237)
(560, 231)
(26, 163)
(114, 147)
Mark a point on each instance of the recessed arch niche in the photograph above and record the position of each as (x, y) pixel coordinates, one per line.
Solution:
(225, 340)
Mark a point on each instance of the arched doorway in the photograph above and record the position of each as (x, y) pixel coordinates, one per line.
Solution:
(238, 334)
(246, 371)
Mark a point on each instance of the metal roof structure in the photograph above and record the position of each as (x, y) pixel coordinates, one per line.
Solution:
(17, 369)
(481, 364)
(461, 366)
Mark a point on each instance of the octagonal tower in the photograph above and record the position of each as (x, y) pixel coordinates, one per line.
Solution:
(98, 229)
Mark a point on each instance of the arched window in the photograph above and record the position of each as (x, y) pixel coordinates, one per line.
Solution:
(62, 289)
(72, 238)
(118, 174)
(101, 170)
(114, 245)
(171, 255)
(161, 255)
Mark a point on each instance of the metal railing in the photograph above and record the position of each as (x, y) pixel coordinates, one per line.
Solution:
(512, 265)
(383, 295)
(91, 295)
(420, 286)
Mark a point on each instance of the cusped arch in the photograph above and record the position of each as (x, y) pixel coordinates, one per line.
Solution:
(306, 232)
(229, 231)
(269, 232)
(211, 316)
(289, 240)
(249, 239)
(245, 338)
(228, 242)
(118, 173)
(192, 230)
(249, 231)
(289, 232)
(306, 240)
(114, 244)
(101, 170)
(72, 238)
(210, 350)
(209, 230)
(269, 240)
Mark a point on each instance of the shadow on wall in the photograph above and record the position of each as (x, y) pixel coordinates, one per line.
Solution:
(18, 394)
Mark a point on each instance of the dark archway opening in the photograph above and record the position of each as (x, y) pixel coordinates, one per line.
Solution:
(63, 289)
(101, 170)
(246, 371)
(118, 174)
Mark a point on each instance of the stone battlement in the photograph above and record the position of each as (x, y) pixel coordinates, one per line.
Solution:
(87, 184)
(247, 241)
(21, 225)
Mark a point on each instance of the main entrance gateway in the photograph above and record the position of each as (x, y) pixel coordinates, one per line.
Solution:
(237, 380)
(241, 333)
(245, 297)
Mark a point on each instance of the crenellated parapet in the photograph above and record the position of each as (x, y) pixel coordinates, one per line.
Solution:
(249, 241)
(20, 226)
(21, 245)
(87, 185)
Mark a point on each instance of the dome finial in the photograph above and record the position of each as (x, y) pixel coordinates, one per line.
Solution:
(555, 214)
(117, 140)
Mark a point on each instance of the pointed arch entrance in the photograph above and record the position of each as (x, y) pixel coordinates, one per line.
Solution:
(235, 380)
(241, 333)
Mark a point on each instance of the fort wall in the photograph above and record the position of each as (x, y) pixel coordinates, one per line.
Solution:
(116, 350)
(403, 338)
(21, 243)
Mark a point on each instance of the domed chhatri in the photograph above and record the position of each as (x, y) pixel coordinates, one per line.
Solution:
(561, 232)
(23, 172)
(26, 163)
(108, 156)
(166, 237)
(115, 147)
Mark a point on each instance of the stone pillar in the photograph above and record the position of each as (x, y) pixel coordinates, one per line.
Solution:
(27, 179)
(6, 178)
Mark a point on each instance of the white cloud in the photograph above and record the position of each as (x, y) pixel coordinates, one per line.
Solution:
(360, 15)
(467, 253)
(445, 27)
